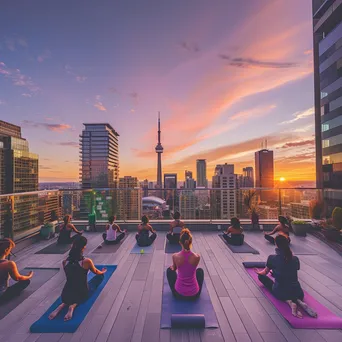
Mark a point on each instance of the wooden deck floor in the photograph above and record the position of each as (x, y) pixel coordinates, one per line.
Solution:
(129, 307)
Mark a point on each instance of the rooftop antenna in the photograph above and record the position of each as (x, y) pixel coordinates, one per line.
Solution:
(266, 143)
(262, 144)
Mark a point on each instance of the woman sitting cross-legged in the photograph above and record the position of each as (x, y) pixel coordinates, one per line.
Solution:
(176, 227)
(66, 230)
(77, 289)
(185, 279)
(143, 236)
(285, 287)
(234, 235)
(8, 269)
(281, 228)
(113, 233)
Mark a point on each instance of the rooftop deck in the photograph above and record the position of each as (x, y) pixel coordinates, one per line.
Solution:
(129, 307)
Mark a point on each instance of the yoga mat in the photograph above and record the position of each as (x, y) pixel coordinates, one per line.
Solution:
(40, 277)
(254, 264)
(55, 248)
(57, 325)
(173, 306)
(103, 248)
(325, 320)
(172, 247)
(181, 321)
(137, 249)
(245, 248)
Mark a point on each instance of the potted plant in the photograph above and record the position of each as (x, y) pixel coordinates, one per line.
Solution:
(300, 227)
(249, 200)
(332, 230)
(47, 231)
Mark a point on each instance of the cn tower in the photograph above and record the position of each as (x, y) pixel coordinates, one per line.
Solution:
(159, 151)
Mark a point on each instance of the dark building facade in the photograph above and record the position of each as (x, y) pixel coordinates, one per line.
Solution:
(99, 155)
(264, 174)
(201, 168)
(327, 31)
(170, 185)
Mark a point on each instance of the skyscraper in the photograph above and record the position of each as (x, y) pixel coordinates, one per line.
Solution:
(264, 174)
(327, 31)
(248, 177)
(99, 152)
(224, 202)
(189, 182)
(129, 199)
(18, 173)
(201, 168)
(170, 184)
(159, 151)
(264, 169)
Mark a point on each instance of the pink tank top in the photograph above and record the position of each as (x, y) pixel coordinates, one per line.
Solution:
(186, 283)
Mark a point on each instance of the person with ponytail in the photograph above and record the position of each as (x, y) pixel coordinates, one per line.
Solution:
(113, 234)
(143, 236)
(77, 289)
(185, 279)
(176, 227)
(282, 228)
(286, 287)
(236, 236)
(8, 269)
(66, 230)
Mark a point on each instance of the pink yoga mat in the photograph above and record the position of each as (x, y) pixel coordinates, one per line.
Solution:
(325, 320)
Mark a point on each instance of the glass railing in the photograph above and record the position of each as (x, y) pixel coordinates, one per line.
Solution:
(23, 214)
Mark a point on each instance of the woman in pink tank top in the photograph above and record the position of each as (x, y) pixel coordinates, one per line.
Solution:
(184, 278)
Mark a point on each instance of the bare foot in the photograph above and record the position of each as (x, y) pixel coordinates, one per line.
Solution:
(307, 309)
(70, 312)
(296, 312)
(55, 313)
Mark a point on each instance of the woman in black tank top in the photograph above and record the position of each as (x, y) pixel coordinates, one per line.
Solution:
(77, 289)
(65, 232)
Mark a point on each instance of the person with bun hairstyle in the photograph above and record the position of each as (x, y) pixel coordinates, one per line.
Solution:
(66, 230)
(282, 228)
(143, 236)
(185, 279)
(285, 287)
(176, 227)
(8, 269)
(113, 234)
(77, 289)
(236, 236)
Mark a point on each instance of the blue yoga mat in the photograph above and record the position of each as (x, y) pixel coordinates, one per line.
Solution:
(138, 250)
(172, 305)
(57, 325)
(172, 247)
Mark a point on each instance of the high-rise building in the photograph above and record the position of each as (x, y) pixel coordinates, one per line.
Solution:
(144, 186)
(189, 182)
(224, 201)
(18, 174)
(159, 151)
(201, 168)
(327, 31)
(264, 169)
(99, 154)
(170, 185)
(248, 177)
(188, 204)
(129, 199)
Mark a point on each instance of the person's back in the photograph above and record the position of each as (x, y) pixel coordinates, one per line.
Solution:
(186, 283)
(111, 232)
(143, 236)
(64, 234)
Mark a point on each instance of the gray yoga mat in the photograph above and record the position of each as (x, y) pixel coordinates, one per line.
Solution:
(40, 277)
(172, 247)
(55, 248)
(105, 248)
(245, 248)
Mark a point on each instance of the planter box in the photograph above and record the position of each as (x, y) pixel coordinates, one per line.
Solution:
(300, 229)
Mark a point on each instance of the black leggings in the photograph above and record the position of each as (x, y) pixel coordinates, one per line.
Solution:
(268, 283)
(14, 290)
(172, 277)
(114, 242)
(271, 239)
(234, 239)
(173, 238)
(144, 240)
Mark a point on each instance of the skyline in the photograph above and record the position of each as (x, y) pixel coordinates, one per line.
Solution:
(218, 72)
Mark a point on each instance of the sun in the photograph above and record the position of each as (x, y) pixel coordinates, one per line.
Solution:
(282, 179)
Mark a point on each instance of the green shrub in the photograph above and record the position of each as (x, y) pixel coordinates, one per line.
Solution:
(337, 218)
(316, 209)
(299, 222)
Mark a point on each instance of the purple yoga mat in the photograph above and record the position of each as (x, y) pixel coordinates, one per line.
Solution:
(325, 320)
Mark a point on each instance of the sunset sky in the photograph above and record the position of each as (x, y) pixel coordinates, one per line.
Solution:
(224, 74)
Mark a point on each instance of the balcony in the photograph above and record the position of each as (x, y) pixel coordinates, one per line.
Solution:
(130, 306)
